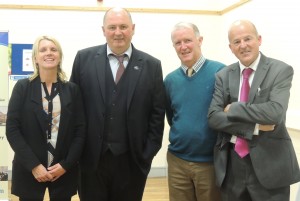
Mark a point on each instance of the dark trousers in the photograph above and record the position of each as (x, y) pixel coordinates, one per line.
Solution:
(58, 199)
(241, 183)
(118, 178)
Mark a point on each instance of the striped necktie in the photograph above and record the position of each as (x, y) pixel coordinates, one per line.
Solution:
(121, 67)
(190, 72)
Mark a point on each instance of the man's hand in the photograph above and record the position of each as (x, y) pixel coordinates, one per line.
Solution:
(226, 109)
(260, 127)
(266, 127)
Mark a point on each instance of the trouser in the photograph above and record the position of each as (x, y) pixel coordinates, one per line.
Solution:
(191, 181)
(241, 183)
(117, 178)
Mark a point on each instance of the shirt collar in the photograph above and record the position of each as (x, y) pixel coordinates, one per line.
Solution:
(128, 52)
(253, 65)
(196, 66)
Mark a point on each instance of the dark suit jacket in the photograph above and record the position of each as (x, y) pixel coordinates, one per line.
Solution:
(145, 104)
(26, 132)
(272, 153)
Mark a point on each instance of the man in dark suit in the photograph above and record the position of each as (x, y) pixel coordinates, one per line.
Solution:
(269, 165)
(125, 118)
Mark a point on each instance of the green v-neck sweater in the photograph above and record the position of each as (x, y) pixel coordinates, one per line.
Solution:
(188, 100)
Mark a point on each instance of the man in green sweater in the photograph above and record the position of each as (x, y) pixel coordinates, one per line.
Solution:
(189, 92)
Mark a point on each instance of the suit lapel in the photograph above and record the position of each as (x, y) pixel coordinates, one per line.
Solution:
(234, 81)
(65, 101)
(134, 67)
(100, 65)
(36, 98)
(259, 76)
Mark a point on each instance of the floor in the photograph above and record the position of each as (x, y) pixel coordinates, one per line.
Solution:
(156, 190)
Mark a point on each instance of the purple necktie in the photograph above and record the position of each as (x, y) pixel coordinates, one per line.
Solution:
(241, 145)
(121, 68)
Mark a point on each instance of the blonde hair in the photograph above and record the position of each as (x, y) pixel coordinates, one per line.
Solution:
(35, 48)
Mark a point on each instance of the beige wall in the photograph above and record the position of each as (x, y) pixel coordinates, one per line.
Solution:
(275, 20)
(295, 135)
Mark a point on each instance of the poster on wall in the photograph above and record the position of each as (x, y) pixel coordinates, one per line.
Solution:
(4, 156)
(21, 61)
(4, 68)
(4, 71)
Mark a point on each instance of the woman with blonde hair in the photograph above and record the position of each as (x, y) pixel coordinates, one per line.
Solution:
(46, 128)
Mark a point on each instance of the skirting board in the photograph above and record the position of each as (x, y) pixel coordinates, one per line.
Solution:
(154, 172)
(158, 172)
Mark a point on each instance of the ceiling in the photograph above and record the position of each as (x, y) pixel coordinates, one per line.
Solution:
(212, 5)
(208, 7)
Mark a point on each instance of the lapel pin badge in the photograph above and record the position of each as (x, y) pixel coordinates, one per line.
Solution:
(136, 68)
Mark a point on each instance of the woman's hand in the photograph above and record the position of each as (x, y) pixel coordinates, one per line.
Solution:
(56, 171)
